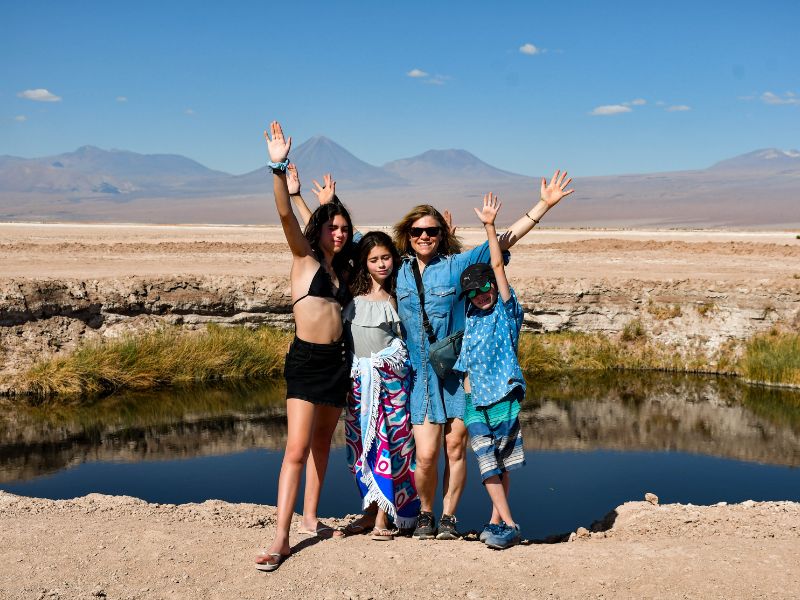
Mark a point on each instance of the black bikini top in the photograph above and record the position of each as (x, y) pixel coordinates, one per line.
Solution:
(322, 287)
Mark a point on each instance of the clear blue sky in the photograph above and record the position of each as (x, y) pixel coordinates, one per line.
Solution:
(677, 84)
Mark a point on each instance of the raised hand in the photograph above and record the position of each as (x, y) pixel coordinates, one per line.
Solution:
(277, 146)
(448, 219)
(551, 193)
(325, 193)
(292, 180)
(491, 205)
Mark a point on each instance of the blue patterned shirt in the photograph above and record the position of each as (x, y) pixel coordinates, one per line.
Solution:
(489, 351)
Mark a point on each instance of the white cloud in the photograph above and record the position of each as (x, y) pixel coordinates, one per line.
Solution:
(189, 111)
(122, 98)
(678, 108)
(639, 102)
(21, 118)
(787, 98)
(39, 95)
(417, 73)
(438, 80)
(610, 109)
(529, 49)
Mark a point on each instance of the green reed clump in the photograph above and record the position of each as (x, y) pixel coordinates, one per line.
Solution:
(773, 357)
(551, 354)
(160, 358)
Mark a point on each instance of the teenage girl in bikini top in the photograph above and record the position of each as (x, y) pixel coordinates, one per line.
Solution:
(318, 363)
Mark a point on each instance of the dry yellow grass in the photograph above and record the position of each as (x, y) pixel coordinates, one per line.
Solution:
(773, 357)
(172, 355)
(160, 358)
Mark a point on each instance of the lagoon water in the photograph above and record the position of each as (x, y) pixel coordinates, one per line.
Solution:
(592, 442)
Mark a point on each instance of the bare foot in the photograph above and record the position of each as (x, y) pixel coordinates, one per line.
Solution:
(363, 524)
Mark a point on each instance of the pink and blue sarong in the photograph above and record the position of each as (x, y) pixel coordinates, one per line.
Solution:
(379, 437)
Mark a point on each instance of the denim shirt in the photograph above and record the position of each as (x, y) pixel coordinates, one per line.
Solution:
(489, 352)
(437, 399)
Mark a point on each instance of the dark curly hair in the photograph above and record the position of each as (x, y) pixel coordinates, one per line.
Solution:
(342, 260)
(361, 282)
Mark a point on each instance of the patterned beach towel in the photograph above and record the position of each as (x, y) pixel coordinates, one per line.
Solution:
(380, 443)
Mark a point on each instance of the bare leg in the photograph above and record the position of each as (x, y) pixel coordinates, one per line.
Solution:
(300, 421)
(325, 421)
(497, 492)
(427, 439)
(381, 520)
(455, 473)
(506, 479)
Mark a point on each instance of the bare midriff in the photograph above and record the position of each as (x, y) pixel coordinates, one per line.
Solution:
(318, 320)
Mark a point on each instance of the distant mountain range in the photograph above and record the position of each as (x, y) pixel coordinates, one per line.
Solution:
(758, 189)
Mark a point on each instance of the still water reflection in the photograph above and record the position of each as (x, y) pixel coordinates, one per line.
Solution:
(593, 441)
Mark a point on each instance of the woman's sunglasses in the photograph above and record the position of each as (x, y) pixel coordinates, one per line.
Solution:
(481, 290)
(431, 231)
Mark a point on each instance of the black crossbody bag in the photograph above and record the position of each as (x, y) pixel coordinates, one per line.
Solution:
(443, 353)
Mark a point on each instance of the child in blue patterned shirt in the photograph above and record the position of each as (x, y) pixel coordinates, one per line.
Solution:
(493, 380)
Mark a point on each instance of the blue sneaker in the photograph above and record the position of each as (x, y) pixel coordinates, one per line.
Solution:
(505, 537)
(489, 529)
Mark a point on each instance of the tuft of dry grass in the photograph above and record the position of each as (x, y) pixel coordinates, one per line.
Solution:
(663, 312)
(160, 358)
(633, 331)
(705, 308)
(773, 357)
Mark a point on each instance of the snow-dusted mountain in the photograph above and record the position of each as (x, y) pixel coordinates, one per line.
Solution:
(769, 159)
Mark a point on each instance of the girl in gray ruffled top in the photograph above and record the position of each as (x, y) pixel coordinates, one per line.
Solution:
(380, 442)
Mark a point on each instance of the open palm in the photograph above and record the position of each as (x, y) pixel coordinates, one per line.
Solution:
(491, 205)
(277, 146)
(551, 193)
(292, 180)
(325, 193)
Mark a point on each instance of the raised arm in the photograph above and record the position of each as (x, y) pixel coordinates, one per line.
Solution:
(448, 218)
(293, 184)
(491, 206)
(549, 195)
(278, 149)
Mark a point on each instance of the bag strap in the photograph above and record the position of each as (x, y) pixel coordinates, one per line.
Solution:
(426, 324)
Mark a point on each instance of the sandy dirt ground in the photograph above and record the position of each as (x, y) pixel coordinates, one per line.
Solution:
(98, 251)
(120, 547)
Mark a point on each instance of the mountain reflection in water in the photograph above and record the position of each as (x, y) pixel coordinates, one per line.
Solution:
(614, 411)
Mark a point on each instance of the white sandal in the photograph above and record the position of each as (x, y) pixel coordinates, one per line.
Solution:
(270, 565)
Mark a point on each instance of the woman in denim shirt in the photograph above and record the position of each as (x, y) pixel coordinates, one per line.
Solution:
(437, 406)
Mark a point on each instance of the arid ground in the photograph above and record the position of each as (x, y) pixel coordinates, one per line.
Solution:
(120, 547)
(97, 251)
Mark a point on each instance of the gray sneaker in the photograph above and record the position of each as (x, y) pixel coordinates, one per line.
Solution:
(426, 526)
(505, 537)
(447, 528)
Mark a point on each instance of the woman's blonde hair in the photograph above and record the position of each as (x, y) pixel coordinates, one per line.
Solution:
(448, 243)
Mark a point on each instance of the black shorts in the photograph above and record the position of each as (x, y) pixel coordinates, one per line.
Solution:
(318, 373)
